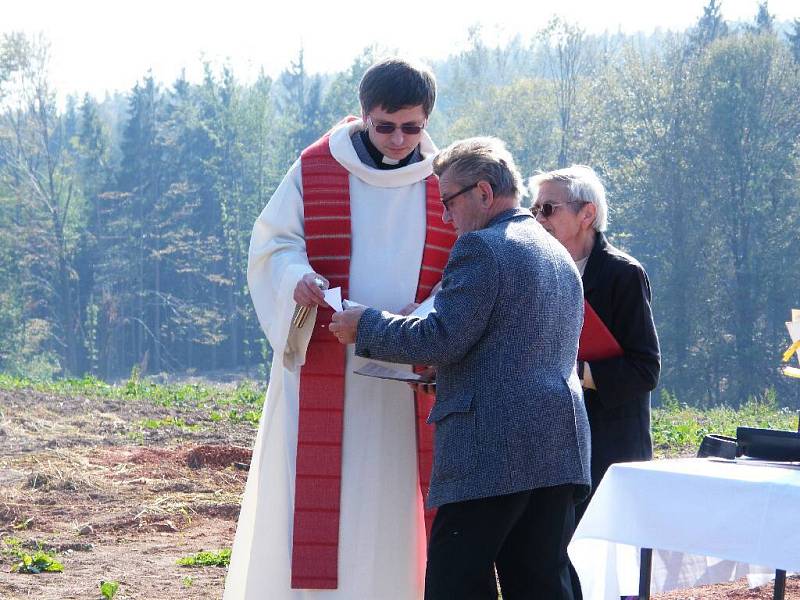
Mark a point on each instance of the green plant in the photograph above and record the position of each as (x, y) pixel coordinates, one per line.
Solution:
(12, 547)
(109, 589)
(207, 559)
(669, 401)
(187, 581)
(39, 562)
(136, 436)
(23, 524)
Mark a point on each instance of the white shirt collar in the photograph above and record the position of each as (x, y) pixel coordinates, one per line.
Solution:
(581, 264)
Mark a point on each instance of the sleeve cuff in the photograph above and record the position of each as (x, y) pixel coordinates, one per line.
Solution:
(365, 334)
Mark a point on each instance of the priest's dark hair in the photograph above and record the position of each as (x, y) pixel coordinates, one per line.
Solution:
(394, 84)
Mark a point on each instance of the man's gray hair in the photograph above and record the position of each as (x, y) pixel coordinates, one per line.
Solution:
(582, 185)
(481, 159)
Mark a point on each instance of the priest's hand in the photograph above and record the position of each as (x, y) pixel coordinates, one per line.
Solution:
(308, 291)
(344, 325)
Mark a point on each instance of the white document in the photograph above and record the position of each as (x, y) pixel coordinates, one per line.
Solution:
(333, 297)
(350, 304)
(372, 369)
(424, 309)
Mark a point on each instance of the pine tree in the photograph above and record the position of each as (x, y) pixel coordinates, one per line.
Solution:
(94, 172)
(128, 270)
(710, 26)
(794, 40)
(764, 19)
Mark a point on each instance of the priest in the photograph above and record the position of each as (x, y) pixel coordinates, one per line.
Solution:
(332, 508)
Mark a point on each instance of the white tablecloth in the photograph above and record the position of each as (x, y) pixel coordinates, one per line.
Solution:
(707, 520)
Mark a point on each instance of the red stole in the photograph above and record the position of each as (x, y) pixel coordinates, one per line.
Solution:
(326, 202)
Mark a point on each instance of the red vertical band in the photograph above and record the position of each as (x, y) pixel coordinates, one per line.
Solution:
(315, 542)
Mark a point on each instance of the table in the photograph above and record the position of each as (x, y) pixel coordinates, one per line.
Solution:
(709, 520)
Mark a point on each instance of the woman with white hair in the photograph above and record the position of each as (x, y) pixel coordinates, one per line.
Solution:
(571, 205)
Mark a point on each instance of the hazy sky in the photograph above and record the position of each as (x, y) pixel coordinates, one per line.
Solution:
(99, 45)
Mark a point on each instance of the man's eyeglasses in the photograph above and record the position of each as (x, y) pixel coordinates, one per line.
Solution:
(386, 128)
(446, 199)
(546, 209)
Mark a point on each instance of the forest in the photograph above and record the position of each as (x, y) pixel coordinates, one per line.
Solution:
(125, 221)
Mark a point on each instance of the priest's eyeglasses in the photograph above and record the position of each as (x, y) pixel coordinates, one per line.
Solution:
(546, 209)
(386, 128)
(446, 199)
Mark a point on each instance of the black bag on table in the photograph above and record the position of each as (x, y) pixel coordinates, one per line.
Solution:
(752, 442)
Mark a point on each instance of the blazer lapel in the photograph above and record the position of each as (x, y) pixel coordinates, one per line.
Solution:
(592, 274)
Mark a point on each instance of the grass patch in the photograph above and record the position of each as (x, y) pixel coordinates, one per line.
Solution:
(678, 428)
(207, 559)
(248, 416)
(242, 403)
(246, 394)
(176, 422)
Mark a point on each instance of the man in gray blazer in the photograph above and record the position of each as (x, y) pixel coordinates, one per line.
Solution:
(511, 453)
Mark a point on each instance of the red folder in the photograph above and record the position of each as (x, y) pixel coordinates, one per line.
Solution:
(596, 341)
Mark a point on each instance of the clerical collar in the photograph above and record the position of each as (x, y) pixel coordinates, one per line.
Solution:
(384, 162)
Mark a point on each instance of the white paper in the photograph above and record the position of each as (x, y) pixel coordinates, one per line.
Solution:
(333, 297)
(372, 369)
(424, 309)
(350, 304)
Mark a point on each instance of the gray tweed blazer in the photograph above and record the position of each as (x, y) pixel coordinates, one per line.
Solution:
(509, 411)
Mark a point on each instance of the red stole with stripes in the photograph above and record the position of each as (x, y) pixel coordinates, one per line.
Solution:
(326, 202)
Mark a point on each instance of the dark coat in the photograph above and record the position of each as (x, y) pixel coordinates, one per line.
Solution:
(509, 414)
(617, 287)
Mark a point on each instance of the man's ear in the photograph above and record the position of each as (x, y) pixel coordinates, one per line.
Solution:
(486, 192)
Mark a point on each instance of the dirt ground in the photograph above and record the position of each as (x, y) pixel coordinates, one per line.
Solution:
(118, 501)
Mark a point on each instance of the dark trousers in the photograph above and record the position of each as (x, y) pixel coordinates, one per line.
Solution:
(523, 535)
(577, 592)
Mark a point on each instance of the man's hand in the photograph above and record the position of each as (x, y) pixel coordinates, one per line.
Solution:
(308, 291)
(344, 325)
(408, 309)
(429, 387)
(588, 380)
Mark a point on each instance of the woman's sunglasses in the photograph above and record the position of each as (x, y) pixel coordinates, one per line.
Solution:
(546, 209)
